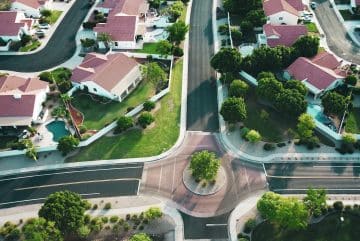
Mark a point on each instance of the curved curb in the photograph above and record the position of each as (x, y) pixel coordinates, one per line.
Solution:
(187, 180)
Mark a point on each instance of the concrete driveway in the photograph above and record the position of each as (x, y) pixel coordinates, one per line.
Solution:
(60, 47)
(336, 36)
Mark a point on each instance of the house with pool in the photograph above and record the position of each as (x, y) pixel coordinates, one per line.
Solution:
(112, 76)
(21, 101)
(319, 74)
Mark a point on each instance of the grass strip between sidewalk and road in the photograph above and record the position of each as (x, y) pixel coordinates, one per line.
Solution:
(143, 143)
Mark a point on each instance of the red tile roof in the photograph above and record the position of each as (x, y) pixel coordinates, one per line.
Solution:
(320, 71)
(24, 85)
(106, 74)
(8, 24)
(32, 3)
(128, 7)
(120, 28)
(283, 34)
(275, 6)
(297, 4)
(16, 107)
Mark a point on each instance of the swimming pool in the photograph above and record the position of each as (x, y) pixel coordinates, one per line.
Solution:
(58, 129)
(316, 112)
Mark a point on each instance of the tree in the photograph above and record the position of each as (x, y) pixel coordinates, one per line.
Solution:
(145, 119)
(66, 98)
(106, 38)
(348, 138)
(227, 60)
(67, 144)
(307, 46)
(66, 209)
(265, 74)
(5, 5)
(87, 42)
(269, 88)
(164, 47)
(241, 7)
(334, 103)
(315, 201)
(46, 76)
(266, 59)
(305, 126)
(236, 36)
(351, 80)
(246, 27)
(153, 213)
(204, 165)
(177, 32)
(233, 110)
(40, 229)
(296, 85)
(238, 88)
(140, 237)
(287, 54)
(149, 105)
(154, 74)
(31, 153)
(123, 123)
(286, 212)
(45, 13)
(256, 17)
(175, 10)
(253, 136)
(291, 102)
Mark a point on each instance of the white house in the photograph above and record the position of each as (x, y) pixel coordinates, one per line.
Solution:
(112, 76)
(354, 3)
(283, 12)
(21, 100)
(319, 74)
(31, 8)
(13, 25)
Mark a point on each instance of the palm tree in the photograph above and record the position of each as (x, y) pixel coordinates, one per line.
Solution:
(105, 37)
(66, 98)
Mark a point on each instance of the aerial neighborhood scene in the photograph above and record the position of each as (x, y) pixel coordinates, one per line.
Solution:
(159, 120)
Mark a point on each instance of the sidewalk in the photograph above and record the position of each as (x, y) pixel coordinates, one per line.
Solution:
(120, 207)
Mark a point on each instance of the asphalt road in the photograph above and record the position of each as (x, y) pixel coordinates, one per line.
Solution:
(206, 228)
(337, 178)
(100, 181)
(336, 36)
(202, 110)
(60, 47)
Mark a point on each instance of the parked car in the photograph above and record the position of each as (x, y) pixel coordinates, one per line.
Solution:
(44, 26)
(306, 19)
(313, 5)
(40, 33)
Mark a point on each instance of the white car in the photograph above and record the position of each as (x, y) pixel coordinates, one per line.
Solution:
(306, 19)
(44, 26)
(313, 5)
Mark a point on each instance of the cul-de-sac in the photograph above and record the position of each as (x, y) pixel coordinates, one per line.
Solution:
(159, 120)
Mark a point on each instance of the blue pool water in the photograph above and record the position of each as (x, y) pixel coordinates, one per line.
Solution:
(316, 112)
(58, 129)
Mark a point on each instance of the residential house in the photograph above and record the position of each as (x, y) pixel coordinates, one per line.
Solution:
(283, 11)
(319, 74)
(112, 76)
(125, 23)
(13, 25)
(286, 35)
(354, 3)
(31, 8)
(21, 100)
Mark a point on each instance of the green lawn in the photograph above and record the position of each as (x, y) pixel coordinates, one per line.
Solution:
(138, 143)
(329, 229)
(5, 141)
(148, 48)
(97, 115)
(311, 27)
(347, 15)
(353, 121)
(30, 47)
(55, 14)
(272, 129)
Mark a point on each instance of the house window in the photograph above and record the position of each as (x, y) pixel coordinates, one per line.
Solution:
(281, 18)
(123, 95)
(116, 44)
(95, 89)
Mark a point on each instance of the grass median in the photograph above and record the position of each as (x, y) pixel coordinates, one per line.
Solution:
(143, 143)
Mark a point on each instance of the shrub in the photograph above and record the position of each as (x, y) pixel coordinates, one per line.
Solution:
(253, 136)
(269, 147)
(351, 80)
(338, 206)
(114, 219)
(104, 219)
(15, 45)
(281, 144)
(145, 119)
(87, 218)
(95, 207)
(153, 213)
(82, 129)
(107, 206)
(244, 131)
(177, 51)
(249, 225)
(123, 123)
(89, 25)
(238, 88)
(223, 29)
(149, 105)
(46, 76)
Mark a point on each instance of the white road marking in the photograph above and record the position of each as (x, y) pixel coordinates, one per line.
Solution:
(37, 199)
(173, 177)
(160, 177)
(305, 189)
(74, 183)
(69, 172)
(315, 177)
(215, 224)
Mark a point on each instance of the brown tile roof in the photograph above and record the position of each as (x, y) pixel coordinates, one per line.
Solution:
(120, 28)
(275, 6)
(24, 85)
(8, 24)
(12, 107)
(127, 7)
(106, 74)
(283, 34)
(31, 3)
